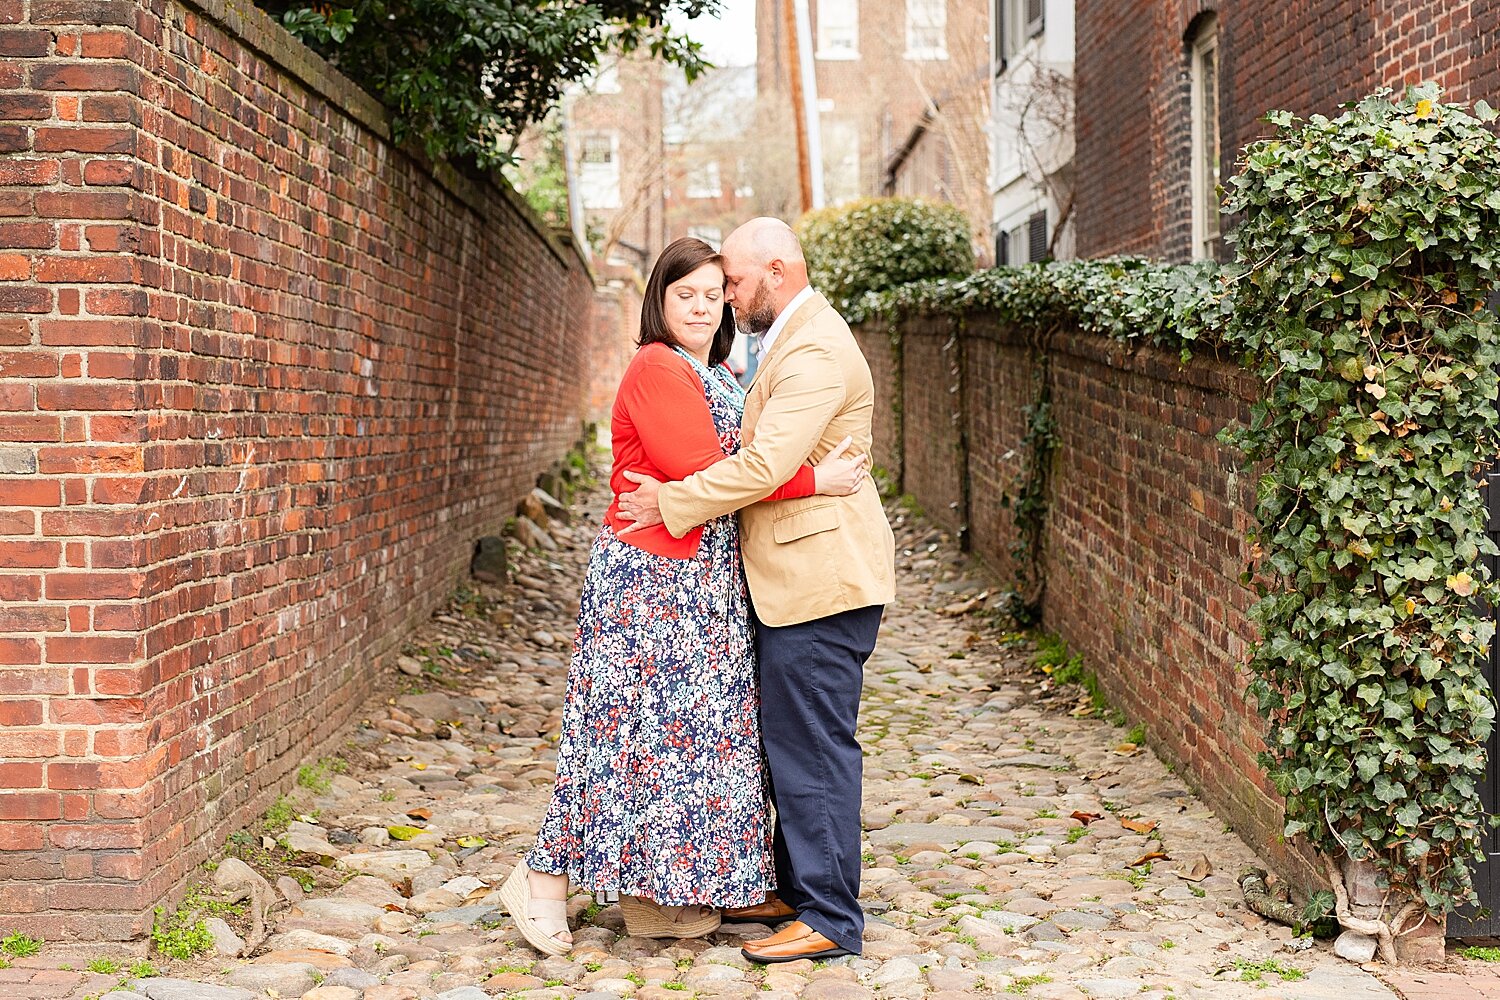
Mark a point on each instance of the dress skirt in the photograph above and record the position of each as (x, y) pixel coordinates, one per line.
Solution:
(661, 789)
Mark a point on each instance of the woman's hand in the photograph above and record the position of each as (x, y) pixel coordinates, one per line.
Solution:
(838, 475)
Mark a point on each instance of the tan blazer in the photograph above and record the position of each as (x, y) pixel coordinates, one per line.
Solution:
(815, 556)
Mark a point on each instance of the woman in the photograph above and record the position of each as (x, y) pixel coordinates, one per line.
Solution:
(660, 791)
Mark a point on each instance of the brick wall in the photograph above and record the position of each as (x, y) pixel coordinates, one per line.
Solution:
(1145, 528)
(1304, 56)
(264, 378)
(884, 358)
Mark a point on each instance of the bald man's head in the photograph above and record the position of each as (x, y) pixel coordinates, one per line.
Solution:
(764, 270)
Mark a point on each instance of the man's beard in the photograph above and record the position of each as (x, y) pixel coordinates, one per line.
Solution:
(759, 315)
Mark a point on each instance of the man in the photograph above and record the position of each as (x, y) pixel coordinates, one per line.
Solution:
(820, 571)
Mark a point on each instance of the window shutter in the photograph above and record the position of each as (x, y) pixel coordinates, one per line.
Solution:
(1036, 234)
(1036, 17)
(999, 21)
(1002, 249)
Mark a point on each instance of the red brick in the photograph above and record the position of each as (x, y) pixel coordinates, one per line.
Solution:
(85, 204)
(87, 397)
(14, 332)
(24, 107)
(86, 77)
(19, 651)
(29, 172)
(30, 805)
(28, 235)
(83, 139)
(108, 173)
(30, 493)
(25, 299)
(25, 743)
(83, 12)
(80, 270)
(105, 45)
(19, 775)
(91, 649)
(31, 680)
(24, 43)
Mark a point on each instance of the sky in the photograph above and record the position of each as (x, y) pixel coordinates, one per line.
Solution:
(728, 40)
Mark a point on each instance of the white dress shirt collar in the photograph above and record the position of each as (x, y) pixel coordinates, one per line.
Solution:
(782, 318)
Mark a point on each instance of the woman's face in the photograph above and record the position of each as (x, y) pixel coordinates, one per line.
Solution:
(694, 307)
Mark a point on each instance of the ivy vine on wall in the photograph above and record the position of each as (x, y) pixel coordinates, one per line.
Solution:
(1366, 255)
(1365, 258)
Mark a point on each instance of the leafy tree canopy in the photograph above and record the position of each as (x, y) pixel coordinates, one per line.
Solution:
(463, 77)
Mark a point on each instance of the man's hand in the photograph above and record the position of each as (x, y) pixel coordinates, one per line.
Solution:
(639, 506)
(839, 476)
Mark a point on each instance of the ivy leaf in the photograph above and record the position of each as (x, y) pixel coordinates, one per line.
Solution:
(1461, 584)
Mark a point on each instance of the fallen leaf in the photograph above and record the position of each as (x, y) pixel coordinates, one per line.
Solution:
(1197, 869)
(1138, 826)
(1127, 749)
(392, 908)
(970, 779)
(421, 812)
(403, 832)
(1085, 817)
(419, 765)
(1147, 858)
(472, 842)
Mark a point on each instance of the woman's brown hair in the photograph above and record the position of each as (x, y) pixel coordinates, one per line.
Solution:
(680, 259)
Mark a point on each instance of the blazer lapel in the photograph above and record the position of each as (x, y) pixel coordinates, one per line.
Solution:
(815, 304)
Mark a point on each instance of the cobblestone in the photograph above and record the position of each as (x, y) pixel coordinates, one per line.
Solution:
(1004, 849)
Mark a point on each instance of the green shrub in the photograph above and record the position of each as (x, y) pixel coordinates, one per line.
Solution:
(1173, 306)
(878, 243)
(1367, 251)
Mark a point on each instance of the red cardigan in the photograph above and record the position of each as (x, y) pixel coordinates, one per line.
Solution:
(661, 427)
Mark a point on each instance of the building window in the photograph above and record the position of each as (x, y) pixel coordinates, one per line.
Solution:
(743, 188)
(838, 29)
(840, 160)
(1016, 23)
(927, 29)
(599, 170)
(712, 235)
(703, 181)
(1204, 73)
(606, 79)
(1026, 243)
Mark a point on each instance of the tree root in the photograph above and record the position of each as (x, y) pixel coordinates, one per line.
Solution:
(1384, 933)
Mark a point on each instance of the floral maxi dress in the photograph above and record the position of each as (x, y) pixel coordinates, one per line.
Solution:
(661, 789)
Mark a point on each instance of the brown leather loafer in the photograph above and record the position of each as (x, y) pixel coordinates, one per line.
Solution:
(795, 940)
(772, 911)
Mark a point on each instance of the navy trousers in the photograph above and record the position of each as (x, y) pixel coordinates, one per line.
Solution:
(810, 680)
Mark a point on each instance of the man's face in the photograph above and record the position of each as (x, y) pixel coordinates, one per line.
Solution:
(748, 289)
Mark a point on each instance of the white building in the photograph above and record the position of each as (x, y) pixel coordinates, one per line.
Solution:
(1031, 129)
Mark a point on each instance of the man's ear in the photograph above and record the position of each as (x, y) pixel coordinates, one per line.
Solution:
(777, 270)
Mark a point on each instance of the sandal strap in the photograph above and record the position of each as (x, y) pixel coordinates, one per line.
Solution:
(547, 909)
(550, 916)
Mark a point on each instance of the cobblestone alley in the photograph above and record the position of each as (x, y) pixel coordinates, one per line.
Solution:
(979, 878)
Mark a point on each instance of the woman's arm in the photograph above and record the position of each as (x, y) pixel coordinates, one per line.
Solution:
(665, 402)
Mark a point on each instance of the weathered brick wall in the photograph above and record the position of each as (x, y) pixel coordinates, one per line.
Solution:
(932, 418)
(884, 359)
(1305, 56)
(264, 380)
(1144, 543)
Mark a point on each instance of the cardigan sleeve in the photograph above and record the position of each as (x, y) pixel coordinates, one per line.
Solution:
(665, 403)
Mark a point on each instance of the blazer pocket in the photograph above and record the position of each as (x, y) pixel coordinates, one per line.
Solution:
(808, 521)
